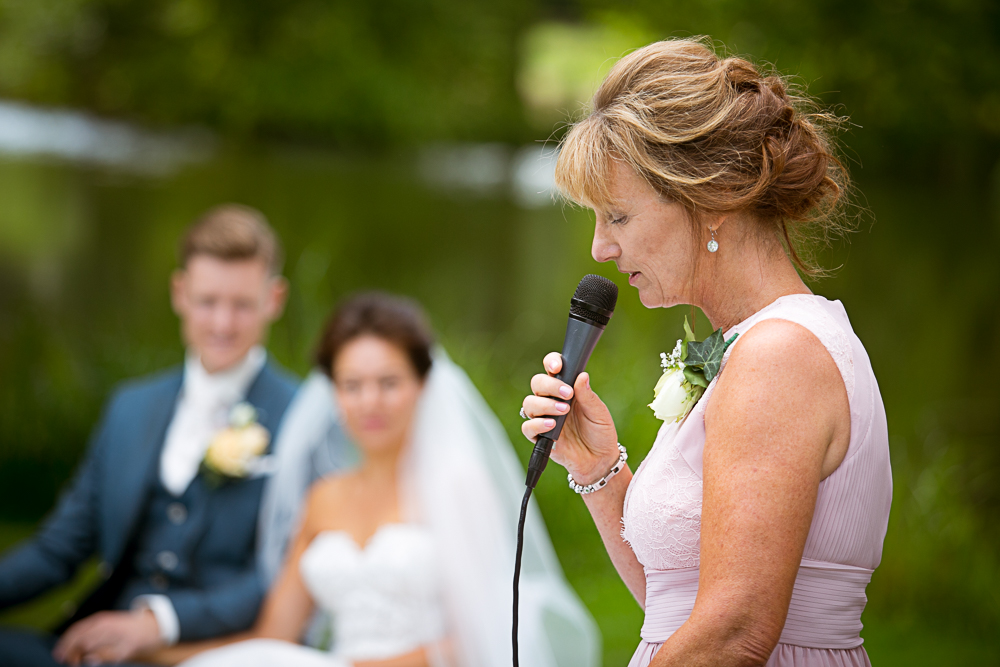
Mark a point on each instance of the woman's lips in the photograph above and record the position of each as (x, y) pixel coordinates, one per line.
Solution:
(632, 277)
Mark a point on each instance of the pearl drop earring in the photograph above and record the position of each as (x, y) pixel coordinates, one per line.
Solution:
(713, 245)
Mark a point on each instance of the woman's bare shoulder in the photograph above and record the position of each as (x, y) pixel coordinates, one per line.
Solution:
(780, 362)
(780, 343)
(328, 494)
(332, 487)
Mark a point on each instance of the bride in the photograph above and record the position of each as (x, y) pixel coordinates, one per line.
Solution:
(409, 556)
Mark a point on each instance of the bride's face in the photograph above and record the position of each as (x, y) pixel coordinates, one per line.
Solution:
(378, 390)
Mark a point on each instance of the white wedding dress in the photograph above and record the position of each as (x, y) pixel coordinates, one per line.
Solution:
(382, 599)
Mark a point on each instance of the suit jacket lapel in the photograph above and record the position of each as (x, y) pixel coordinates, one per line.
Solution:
(270, 403)
(132, 470)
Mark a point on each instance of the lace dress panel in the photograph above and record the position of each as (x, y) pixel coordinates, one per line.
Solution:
(662, 518)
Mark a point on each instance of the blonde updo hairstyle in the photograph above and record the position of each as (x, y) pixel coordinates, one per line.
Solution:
(716, 135)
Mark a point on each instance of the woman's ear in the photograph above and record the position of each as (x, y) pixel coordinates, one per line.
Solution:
(714, 221)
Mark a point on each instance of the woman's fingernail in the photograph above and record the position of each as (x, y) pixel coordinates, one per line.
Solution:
(549, 423)
(565, 391)
(562, 407)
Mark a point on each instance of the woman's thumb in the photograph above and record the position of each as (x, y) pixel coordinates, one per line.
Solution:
(581, 389)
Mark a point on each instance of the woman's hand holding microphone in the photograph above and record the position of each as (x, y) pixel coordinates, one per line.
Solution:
(588, 444)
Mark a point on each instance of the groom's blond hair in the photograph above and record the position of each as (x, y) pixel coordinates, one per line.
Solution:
(232, 232)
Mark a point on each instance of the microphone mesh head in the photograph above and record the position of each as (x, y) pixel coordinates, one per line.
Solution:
(596, 291)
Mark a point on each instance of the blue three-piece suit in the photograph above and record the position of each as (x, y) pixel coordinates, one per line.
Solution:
(197, 549)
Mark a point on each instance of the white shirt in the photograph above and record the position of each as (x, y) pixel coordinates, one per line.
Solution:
(202, 411)
(203, 407)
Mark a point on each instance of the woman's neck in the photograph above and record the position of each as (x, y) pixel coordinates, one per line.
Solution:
(380, 467)
(746, 280)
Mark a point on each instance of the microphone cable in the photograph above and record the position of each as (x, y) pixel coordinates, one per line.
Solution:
(517, 563)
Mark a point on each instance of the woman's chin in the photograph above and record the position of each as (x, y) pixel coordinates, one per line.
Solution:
(650, 300)
(380, 444)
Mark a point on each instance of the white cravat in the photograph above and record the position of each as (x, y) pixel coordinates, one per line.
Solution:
(202, 411)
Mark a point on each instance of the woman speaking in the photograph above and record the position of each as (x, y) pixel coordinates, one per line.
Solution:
(751, 530)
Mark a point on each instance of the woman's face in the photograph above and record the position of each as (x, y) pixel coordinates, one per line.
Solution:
(377, 389)
(649, 239)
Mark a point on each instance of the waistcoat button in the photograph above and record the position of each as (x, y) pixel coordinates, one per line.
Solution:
(167, 560)
(177, 513)
(159, 582)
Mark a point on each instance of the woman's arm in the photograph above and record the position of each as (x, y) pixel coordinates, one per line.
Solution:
(588, 449)
(778, 422)
(607, 507)
(288, 605)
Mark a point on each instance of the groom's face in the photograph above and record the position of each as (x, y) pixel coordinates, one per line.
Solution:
(225, 307)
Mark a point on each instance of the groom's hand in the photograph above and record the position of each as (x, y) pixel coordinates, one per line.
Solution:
(108, 636)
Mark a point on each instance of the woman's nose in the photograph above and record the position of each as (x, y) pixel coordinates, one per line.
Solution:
(604, 248)
(372, 396)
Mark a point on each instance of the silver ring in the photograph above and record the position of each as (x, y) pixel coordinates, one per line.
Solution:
(523, 416)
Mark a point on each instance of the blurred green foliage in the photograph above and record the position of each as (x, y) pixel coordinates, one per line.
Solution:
(920, 78)
(369, 73)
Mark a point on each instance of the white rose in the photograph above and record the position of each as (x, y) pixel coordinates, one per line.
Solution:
(673, 396)
(234, 449)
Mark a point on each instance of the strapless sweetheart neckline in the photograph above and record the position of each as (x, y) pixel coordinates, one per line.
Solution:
(382, 599)
(383, 596)
(367, 545)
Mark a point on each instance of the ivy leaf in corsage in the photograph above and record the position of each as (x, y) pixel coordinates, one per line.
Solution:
(706, 356)
(687, 371)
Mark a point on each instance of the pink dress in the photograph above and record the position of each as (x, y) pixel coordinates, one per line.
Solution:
(662, 516)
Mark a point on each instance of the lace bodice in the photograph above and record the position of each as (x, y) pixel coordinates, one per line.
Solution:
(662, 514)
(664, 520)
(384, 599)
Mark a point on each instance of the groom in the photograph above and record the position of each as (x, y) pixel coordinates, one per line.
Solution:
(179, 549)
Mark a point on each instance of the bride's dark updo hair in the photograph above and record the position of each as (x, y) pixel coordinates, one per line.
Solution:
(714, 135)
(392, 318)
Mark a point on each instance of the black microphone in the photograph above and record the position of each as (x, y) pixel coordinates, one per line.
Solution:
(590, 310)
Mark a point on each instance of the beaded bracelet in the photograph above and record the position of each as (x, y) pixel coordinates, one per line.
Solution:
(602, 482)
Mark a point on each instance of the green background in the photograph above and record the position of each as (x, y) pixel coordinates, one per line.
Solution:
(342, 122)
